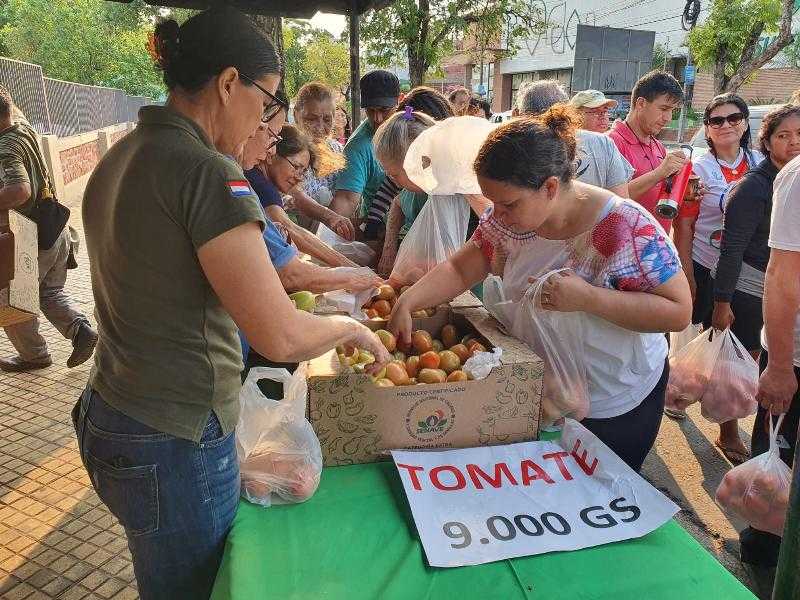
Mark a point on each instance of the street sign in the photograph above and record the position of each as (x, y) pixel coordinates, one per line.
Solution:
(689, 73)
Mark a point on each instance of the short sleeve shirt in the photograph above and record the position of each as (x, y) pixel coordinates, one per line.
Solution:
(322, 189)
(268, 194)
(363, 173)
(168, 352)
(644, 158)
(280, 251)
(719, 178)
(785, 226)
(20, 160)
(599, 162)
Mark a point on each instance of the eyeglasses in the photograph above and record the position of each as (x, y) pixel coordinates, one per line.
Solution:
(299, 169)
(273, 107)
(717, 122)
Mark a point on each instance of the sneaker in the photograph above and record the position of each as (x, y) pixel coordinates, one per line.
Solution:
(16, 364)
(82, 346)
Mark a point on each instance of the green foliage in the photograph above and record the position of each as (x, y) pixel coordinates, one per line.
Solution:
(85, 41)
(312, 54)
(726, 33)
(660, 56)
(422, 32)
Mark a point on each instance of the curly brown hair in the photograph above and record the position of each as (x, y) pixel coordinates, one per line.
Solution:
(525, 152)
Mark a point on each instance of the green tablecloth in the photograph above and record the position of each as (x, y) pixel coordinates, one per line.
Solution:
(355, 539)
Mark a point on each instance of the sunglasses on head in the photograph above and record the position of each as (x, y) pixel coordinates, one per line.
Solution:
(733, 119)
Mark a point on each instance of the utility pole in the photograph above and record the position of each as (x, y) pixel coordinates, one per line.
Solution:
(691, 12)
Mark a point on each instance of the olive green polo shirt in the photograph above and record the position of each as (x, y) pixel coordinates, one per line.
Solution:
(168, 351)
(20, 160)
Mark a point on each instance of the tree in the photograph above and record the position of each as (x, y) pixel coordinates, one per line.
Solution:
(272, 29)
(421, 32)
(728, 41)
(328, 61)
(85, 41)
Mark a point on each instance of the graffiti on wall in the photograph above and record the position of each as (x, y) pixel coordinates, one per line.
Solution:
(562, 27)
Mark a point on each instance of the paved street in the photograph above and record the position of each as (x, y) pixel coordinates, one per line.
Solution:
(58, 541)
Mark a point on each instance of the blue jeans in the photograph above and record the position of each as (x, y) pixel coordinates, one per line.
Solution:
(175, 498)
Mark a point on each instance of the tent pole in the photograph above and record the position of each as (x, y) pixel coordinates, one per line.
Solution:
(355, 67)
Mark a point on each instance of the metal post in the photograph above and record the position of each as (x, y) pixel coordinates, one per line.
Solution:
(688, 89)
(355, 66)
(787, 577)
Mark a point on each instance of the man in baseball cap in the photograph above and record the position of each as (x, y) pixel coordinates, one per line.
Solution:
(594, 107)
(357, 183)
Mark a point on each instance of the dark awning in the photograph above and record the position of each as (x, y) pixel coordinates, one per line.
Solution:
(298, 9)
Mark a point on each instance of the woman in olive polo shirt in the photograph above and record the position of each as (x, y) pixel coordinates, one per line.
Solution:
(173, 233)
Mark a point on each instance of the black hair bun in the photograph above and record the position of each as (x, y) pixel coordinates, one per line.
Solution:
(166, 37)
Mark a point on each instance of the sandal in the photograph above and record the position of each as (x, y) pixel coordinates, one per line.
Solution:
(734, 456)
(675, 413)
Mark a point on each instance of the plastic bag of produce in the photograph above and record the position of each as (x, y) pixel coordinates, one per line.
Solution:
(358, 252)
(679, 339)
(732, 388)
(690, 369)
(438, 231)
(758, 490)
(557, 337)
(440, 159)
(279, 454)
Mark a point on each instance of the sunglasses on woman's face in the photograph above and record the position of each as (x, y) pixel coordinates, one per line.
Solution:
(733, 119)
(271, 108)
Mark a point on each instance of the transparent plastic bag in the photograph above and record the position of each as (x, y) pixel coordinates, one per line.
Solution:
(558, 338)
(679, 339)
(280, 459)
(732, 388)
(358, 252)
(758, 490)
(440, 159)
(439, 230)
(690, 369)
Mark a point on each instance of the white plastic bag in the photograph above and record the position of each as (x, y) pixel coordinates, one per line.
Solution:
(280, 459)
(690, 369)
(758, 490)
(558, 338)
(439, 230)
(358, 252)
(679, 339)
(732, 388)
(495, 302)
(480, 364)
(440, 160)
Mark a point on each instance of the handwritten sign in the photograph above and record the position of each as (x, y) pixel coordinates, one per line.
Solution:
(480, 505)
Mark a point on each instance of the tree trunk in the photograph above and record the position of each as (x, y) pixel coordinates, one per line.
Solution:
(416, 68)
(272, 29)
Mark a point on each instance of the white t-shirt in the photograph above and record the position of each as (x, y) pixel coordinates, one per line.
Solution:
(719, 177)
(599, 162)
(784, 231)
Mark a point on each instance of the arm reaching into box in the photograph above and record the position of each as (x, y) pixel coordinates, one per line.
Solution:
(463, 270)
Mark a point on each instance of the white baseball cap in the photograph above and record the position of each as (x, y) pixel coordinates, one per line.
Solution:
(591, 99)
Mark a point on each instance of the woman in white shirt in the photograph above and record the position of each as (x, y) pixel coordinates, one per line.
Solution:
(698, 228)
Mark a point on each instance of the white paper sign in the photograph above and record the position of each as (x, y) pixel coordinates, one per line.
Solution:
(479, 505)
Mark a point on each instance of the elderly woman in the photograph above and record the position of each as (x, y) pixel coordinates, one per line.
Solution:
(173, 233)
(625, 272)
(314, 114)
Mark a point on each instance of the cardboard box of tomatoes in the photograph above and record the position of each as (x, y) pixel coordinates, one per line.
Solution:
(425, 399)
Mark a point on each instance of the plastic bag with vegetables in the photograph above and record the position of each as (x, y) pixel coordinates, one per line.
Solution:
(731, 391)
(279, 454)
(690, 369)
(758, 490)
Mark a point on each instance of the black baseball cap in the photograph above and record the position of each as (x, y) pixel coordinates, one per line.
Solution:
(379, 89)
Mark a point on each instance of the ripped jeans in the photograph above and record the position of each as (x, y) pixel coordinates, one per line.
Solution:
(175, 498)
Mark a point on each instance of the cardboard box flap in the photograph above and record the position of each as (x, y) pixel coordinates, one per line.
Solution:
(514, 350)
(466, 300)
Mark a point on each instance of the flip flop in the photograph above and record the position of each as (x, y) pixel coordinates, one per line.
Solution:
(675, 413)
(734, 456)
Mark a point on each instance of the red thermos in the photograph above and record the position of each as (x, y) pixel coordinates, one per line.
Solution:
(675, 188)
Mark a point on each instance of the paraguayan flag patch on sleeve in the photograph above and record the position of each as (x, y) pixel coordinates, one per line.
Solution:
(240, 188)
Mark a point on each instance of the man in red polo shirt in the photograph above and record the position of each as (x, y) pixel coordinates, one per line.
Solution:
(654, 98)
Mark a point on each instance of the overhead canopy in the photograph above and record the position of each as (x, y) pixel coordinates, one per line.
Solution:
(297, 9)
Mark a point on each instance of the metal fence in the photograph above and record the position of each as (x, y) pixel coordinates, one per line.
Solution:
(64, 108)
